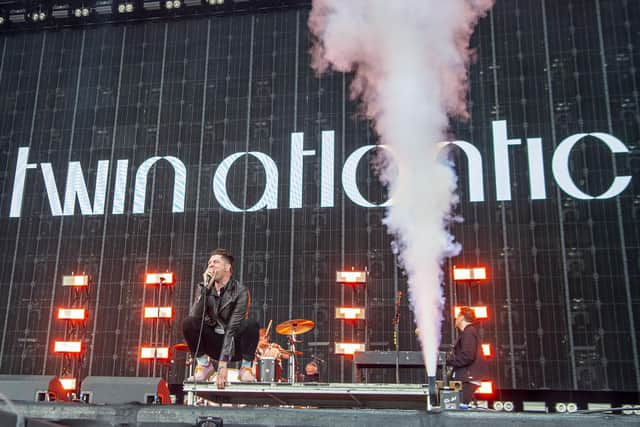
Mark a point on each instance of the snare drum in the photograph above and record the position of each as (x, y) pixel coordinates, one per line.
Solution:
(268, 370)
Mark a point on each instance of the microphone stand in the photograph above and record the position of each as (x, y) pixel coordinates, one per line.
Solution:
(396, 327)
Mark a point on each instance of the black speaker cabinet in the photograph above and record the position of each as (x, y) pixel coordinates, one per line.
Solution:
(119, 390)
(32, 388)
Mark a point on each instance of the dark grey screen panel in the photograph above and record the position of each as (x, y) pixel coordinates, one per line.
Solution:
(562, 301)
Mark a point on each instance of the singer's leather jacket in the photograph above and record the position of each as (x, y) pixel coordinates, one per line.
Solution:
(227, 311)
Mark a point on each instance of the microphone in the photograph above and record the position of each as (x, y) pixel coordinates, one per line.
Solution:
(207, 279)
(316, 358)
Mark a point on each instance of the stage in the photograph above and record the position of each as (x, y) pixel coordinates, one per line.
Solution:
(325, 395)
(78, 415)
(303, 404)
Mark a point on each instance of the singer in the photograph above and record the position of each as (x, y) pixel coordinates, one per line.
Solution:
(217, 329)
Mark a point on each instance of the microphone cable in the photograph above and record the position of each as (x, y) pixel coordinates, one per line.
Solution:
(205, 296)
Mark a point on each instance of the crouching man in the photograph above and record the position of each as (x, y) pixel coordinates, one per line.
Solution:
(218, 328)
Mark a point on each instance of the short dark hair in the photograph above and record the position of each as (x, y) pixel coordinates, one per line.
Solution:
(468, 313)
(224, 253)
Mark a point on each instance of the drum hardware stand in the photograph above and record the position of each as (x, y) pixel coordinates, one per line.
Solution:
(292, 328)
(76, 330)
(155, 332)
(292, 358)
(396, 327)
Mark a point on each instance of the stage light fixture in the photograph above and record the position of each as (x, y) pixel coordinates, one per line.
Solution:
(164, 279)
(508, 406)
(214, 2)
(351, 277)
(72, 314)
(560, 407)
(37, 15)
(534, 406)
(486, 388)
(172, 4)
(68, 384)
(2, 20)
(472, 274)
(350, 313)
(348, 348)
(81, 12)
(125, 7)
(103, 7)
(67, 347)
(572, 407)
(498, 405)
(481, 311)
(594, 406)
(77, 281)
(627, 409)
(147, 353)
(158, 312)
(60, 11)
(486, 350)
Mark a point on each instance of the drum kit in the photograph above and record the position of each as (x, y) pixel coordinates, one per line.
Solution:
(268, 368)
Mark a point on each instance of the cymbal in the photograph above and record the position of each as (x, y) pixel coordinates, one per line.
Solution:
(295, 326)
(181, 346)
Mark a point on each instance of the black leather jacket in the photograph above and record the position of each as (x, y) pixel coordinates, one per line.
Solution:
(227, 311)
(467, 361)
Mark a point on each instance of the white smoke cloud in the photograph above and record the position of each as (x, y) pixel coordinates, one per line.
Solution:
(410, 61)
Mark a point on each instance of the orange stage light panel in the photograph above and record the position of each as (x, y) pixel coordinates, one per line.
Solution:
(351, 277)
(78, 281)
(72, 314)
(68, 384)
(154, 353)
(486, 387)
(158, 312)
(350, 313)
(159, 278)
(486, 350)
(348, 348)
(480, 311)
(462, 274)
(67, 347)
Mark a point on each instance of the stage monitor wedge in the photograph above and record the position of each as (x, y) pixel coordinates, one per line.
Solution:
(32, 388)
(120, 390)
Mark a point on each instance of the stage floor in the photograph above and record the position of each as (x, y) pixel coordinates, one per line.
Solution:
(284, 405)
(324, 395)
(76, 415)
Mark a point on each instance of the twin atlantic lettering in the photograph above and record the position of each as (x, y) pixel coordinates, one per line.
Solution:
(76, 188)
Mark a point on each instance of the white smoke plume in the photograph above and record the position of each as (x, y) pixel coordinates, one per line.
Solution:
(410, 61)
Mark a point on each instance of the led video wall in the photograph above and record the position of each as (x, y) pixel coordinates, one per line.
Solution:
(139, 148)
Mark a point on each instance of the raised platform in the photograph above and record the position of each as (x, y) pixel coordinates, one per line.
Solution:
(324, 395)
(304, 404)
(77, 415)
